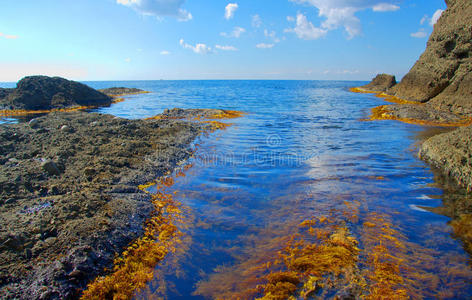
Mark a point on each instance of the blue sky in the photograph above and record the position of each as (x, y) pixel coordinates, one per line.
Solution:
(213, 39)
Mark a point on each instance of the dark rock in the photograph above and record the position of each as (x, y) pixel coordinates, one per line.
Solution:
(66, 228)
(121, 91)
(89, 172)
(380, 83)
(50, 167)
(44, 93)
(5, 92)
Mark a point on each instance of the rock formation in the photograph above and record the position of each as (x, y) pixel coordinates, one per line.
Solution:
(121, 91)
(451, 153)
(381, 83)
(443, 74)
(438, 91)
(45, 93)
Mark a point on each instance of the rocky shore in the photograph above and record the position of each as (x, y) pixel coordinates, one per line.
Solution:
(437, 91)
(43, 94)
(69, 197)
(69, 181)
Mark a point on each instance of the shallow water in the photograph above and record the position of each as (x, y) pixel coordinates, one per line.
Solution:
(301, 152)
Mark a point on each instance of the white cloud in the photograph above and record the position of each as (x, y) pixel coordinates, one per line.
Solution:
(128, 60)
(437, 14)
(7, 36)
(305, 29)
(272, 35)
(230, 9)
(159, 8)
(424, 19)
(236, 33)
(198, 48)
(164, 52)
(226, 48)
(382, 7)
(341, 13)
(420, 34)
(256, 21)
(265, 46)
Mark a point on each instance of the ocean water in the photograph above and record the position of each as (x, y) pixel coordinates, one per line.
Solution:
(301, 151)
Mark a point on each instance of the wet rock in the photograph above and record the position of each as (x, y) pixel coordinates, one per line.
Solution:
(451, 153)
(380, 83)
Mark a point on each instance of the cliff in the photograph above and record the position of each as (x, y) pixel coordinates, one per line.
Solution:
(438, 91)
(442, 76)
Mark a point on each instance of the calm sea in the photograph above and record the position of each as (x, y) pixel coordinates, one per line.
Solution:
(301, 151)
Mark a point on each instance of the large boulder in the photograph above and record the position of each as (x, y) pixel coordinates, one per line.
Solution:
(42, 93)
(442, 75)
(381, 83)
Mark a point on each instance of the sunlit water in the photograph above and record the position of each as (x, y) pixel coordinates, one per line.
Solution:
(301, 150)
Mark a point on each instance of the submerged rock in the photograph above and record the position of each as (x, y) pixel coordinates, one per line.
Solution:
(380, 83)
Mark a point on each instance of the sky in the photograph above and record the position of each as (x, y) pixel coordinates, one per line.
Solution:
(213, 39)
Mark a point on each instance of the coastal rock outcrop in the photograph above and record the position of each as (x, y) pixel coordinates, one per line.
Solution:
(121, 91)
(69, 196)
(45, 93)
(443, 74)
(381, 83)
(438, 91)
(451, 153)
